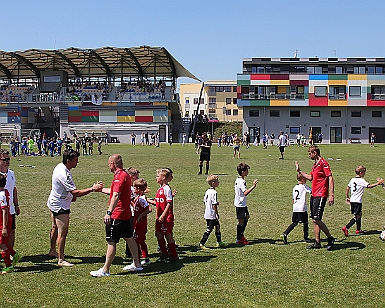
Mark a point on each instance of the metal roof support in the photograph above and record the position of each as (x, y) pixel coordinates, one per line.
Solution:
(140, 70)
(27, 62)
(100, 59)
(69, 62)
(6, 71)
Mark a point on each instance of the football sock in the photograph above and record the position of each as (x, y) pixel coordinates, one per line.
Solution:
(244, 225)
(239, 231)
(207, 168)
(358, 222)
(6, 257)
(305, 230)
(162, 246)
(290, 228)
(219, 237)
(351, 223)
(172, 248)
(205, 237)
(200, 168)
(144, 249)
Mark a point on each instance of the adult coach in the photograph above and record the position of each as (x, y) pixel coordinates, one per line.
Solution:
(322, 188)
(118, 218)
(205, 147)
(63, 192)
(282, 143)
(12, 190)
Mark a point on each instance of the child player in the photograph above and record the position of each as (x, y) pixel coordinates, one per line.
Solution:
(299, 209)
(356, 189)
(240, 202)
(165, 217)
(141, 210)
(211, 213)
(5, 226)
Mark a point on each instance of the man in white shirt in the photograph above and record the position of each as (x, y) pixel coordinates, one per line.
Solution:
(282, 143)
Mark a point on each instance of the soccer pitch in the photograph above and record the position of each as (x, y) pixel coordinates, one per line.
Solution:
(263, 274)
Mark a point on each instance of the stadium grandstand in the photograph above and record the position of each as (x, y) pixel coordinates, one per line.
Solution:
(109, 90)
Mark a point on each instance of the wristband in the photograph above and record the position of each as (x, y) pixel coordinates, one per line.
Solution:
(109, 213)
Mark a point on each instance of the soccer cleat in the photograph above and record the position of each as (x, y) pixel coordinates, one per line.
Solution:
(245, 241)
(99, 273)
(172, 259)
(7, 270)
(145, 261)
(162, 258)
(16, 258)
(331, 241)
(345, 231)
(315, 245)
(359, 232)
(132, 267)
(307, 240)
(284, 238)
(221, 244)
(203, 247)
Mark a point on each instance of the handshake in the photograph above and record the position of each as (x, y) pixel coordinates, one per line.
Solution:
(98, 186)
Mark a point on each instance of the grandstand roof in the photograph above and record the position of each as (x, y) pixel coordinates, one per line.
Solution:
(143, 61)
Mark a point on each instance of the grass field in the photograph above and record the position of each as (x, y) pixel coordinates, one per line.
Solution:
(263, 274)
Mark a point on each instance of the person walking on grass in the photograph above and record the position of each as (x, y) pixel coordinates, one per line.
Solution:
(354, 194)
(211, 213)
(322, 189)
(205, 147)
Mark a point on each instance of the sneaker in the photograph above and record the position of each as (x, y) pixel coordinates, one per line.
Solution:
(307, 240)
(359, 232)
(99, 273)
(284, 238)
(64, 263)
(16, 258)
(221, 244)
(345, 231)
(331, 241)
(315, 245)
(203, 247)
(145, 261)
(132, 267)
(7, 270)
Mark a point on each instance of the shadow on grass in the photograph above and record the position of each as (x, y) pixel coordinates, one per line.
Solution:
(38, 268)
(369, 232)
(338, 245)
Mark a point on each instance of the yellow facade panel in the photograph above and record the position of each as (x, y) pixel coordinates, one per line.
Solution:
(337, 82)
(357, 77)
(279, 102)
(337, 102)
(280, 82)
(160, 103)
(126, 119)
(109, 103)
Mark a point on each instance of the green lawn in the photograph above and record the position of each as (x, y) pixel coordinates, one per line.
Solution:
(263, 274)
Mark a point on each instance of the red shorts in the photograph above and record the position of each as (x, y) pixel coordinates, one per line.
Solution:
(4, 240)
(164, 228)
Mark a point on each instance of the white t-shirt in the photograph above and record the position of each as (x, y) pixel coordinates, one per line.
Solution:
(210, 199)
(282, 140)
(299, 197)
(239, 189)
(10, 185)
(62, 184)
(357, 187)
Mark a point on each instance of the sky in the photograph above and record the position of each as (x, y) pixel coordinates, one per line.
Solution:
(209, 38)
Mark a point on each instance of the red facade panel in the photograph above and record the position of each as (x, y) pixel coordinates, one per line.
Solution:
(144, 119)
(317, 101)
(299, 83)
(259, 77)
(279, 77)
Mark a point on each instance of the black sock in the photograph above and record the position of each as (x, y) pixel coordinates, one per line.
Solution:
(305, 230)
(351, 223)
(358, 222)
(240, 230)
(200, 168)
(205, 237)
(207, 168)
(290, 228)
(219, 237)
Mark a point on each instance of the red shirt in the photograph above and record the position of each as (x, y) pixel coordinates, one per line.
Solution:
(122, 184)
(164, 196)
(320, 183)
(4, 204)
(140, 206)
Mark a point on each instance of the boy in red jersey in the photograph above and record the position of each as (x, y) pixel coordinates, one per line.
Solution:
(5, 226)
(322, 188)
(165, 217)
(141, 210)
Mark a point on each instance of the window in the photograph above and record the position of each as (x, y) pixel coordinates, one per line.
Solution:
(187, 101)
(212, 100)
(234, 89)
(212, 91)
(310, 70)
(354, 91)
(338, 69)
(376, 114)
(356, 114)
(228, 101)
(318, 70)
(228, 112)
(378, 92)
(195, 101)
(294, 130)
(212, 110)
(274, 113)
(371, 69)
(356, 130)
(335, 113)
(234, 100)
(320, 91)
(295, 114)
(315, 114)
(235, 112)
(253, 113)
(379, 70)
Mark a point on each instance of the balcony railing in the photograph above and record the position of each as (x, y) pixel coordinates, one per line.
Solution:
(272, 96)
(378, 96)
(337, 96)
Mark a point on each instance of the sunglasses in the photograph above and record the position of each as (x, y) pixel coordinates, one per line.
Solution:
(5, 159)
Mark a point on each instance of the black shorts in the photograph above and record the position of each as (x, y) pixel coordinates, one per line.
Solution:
(211, 223)
(61, 211)
(317, 206)
(242, 212)
(356, 208)
(118, 229)
(299, 217)
(13, 226)
(282, 148)
(205, 156)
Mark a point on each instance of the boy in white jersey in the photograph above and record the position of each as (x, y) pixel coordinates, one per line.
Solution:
(242, 211)
(299, 209)
(356, 189)
(211, 213)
